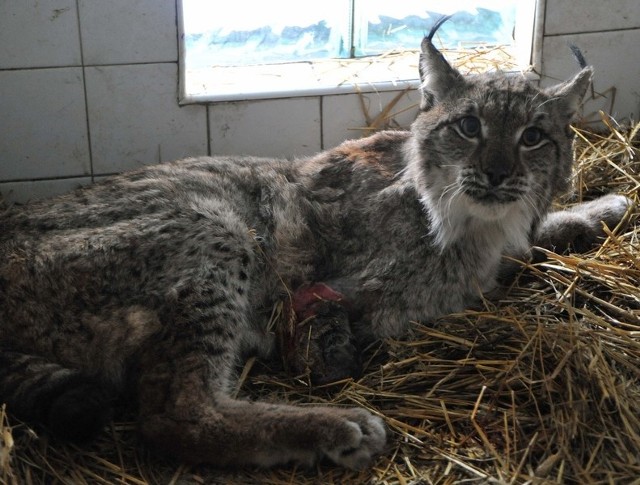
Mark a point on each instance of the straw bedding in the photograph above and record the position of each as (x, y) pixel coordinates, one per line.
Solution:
(540, 387)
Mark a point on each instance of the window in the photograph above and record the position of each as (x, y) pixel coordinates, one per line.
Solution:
(280, 48)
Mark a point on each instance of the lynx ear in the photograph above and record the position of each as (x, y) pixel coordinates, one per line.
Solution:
(570, 93)
(436, 74)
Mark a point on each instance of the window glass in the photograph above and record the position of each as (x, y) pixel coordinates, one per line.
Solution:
(281, 48)
(252, 33)
(388, 25)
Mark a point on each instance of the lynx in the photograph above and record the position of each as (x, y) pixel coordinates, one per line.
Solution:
(154, 285)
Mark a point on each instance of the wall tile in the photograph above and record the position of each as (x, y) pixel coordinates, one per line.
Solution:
(43, 120)
(575, 16)
(126, 32)
(273, 128)
(22, 192)
(39, 34)
(134, 117)
(599, 49)
(344, 117)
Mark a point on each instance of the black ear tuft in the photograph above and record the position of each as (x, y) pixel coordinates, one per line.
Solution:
(436, 26)
(436, 74)
(577, 53)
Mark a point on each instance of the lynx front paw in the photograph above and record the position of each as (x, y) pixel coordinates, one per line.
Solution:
(609, 209)
(580, 228)
(359, 438)
(567, 230)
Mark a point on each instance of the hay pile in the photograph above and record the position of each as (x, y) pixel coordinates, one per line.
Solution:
(542, 387)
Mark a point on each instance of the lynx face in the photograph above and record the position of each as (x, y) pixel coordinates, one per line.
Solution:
(492, 148)
(498, 149)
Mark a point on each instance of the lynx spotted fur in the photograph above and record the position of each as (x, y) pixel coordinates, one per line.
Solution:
(153, 285)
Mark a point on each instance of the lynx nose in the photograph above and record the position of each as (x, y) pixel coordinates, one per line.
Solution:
(497, 165)
(496, 175)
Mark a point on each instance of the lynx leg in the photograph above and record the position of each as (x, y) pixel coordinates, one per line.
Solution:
(186, 412)
(580, 227)
(226, 432)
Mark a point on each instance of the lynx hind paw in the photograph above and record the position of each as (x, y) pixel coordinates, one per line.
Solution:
(360, 438)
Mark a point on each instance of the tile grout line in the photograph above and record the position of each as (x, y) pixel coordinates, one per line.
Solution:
(44, 179)
(65, 66)
(208, 128)
(86, 97)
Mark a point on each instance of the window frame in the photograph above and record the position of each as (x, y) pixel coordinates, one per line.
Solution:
(528, 54)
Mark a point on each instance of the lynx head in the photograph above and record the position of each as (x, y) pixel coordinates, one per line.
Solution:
(490, 149)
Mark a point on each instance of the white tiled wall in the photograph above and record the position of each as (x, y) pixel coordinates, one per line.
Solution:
(580, 16)
(89, 87)
(270, 128)
(135, 119)
(44, 134)
(608, 34)
(128, 32)
(38, 34)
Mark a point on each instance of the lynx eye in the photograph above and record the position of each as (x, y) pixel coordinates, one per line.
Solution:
(470, 126)
(531, 136)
